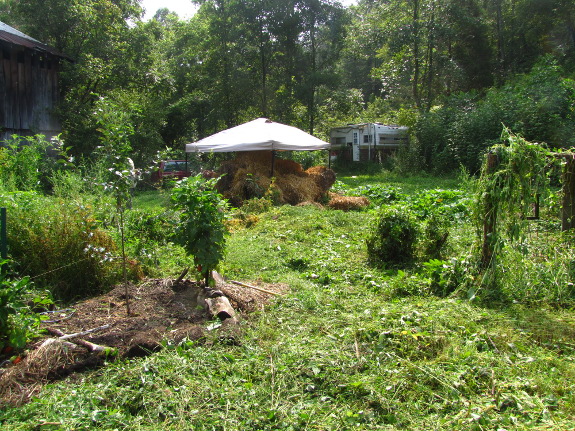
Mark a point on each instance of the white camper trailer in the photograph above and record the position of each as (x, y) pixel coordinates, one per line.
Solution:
(367, 141)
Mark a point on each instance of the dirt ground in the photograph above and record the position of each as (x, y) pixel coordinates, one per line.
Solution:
(161, 311)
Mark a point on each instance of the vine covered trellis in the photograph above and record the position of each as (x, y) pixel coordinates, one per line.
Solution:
(514, 176)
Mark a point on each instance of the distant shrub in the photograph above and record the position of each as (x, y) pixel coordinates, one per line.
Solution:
(393, 238)
(537, 105)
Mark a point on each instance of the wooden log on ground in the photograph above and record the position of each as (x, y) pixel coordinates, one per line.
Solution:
(63, 336)
(220, 307)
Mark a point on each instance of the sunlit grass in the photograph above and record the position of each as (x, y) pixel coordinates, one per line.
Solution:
(350, 346)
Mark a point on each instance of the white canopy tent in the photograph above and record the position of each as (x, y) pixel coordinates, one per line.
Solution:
(257, 135)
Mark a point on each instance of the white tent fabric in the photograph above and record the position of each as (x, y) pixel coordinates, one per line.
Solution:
(256, 135)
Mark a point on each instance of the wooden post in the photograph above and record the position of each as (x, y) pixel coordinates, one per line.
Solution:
(568, 207)
(3, 235)
(490, 216)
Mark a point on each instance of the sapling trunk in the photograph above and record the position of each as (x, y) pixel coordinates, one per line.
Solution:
(124, 261)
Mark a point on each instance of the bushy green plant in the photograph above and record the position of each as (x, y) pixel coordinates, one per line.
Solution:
(201, 229)
(28, 162)
(18, 323)
(446, 276)
(60, 244)
(435, 234)
(393, 237)
(149, 234)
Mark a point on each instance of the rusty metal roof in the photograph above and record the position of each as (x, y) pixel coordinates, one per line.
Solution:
(15, 37)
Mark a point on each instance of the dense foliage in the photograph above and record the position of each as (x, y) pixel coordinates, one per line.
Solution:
(201, 229)
(390, 319)
(456, 72)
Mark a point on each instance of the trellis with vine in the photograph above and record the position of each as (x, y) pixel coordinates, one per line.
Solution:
(513, 178)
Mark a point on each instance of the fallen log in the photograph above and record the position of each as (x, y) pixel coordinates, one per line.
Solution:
(220, 307)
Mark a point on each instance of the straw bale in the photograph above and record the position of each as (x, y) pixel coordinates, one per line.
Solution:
(248, 176)
(323, 177)
(285, 166)
(346, 203)
(296, 189)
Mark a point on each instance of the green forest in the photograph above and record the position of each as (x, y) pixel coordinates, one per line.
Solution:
(454, 71)
(430, 290)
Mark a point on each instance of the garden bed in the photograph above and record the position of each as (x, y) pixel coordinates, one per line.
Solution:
(162, 311)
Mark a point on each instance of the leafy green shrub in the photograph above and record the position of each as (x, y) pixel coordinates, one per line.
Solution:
(435, 235)
(18, 323)
(59, 244)
(446, 276)
(379, 194)
(201, 230)
(149, 234)
(25, 163)
(393, 238)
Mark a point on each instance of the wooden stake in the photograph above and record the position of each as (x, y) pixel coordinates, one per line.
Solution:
(568, 211)
(259, 289)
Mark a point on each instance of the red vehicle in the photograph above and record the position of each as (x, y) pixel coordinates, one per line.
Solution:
(171, 170)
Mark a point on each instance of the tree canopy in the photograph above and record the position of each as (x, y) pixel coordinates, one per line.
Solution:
(313, 64)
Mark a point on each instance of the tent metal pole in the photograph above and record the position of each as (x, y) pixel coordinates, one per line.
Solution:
(273, 162)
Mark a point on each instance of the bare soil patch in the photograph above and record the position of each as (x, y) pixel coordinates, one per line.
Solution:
(160, 311)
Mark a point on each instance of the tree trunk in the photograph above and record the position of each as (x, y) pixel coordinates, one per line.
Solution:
(415, 79)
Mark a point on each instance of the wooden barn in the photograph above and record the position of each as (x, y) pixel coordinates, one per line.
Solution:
(29, 89)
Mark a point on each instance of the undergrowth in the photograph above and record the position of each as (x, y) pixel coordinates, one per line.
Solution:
(430, 345)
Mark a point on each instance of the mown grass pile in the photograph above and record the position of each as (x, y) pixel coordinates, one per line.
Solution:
(430, 343)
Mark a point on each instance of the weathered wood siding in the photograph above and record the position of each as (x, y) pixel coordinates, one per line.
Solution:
(28, 92)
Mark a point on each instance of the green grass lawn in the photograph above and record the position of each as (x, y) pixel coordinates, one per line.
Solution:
(352, 346)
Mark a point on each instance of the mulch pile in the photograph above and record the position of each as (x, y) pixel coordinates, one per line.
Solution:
(161, 312)
(249, 176)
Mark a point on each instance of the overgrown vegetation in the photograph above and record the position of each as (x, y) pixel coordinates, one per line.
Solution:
(442, 305)
(19, 323)
(354, 345)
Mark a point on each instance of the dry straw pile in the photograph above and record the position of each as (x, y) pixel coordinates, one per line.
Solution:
(346, 203)
(249, 176)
